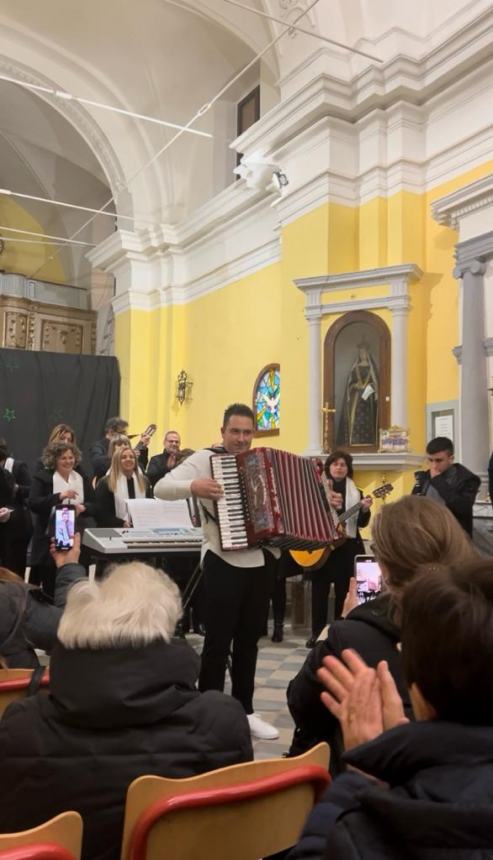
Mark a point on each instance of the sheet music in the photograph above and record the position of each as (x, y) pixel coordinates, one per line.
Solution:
(158, 513)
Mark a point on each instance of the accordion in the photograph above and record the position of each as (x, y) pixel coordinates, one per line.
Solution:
(271, 497)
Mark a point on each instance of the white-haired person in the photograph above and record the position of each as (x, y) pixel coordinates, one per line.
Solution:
(122, 703)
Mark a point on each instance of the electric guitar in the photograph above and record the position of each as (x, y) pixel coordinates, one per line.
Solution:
(315, 558)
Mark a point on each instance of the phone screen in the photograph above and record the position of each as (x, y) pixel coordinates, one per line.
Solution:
(64, 527)
(368, 577)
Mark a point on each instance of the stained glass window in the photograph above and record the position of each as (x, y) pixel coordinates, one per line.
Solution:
(267, 399)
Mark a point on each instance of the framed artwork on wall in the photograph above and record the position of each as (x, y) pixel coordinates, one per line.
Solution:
(267, 401)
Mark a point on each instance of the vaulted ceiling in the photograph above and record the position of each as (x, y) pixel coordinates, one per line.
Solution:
(166, 59)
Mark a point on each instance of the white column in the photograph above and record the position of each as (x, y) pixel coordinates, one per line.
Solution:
(474, 384)
(314, 383)
(398, 387)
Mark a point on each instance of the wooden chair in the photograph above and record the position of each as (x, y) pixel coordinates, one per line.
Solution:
(14, 684)
(57, 839)
(245, 811)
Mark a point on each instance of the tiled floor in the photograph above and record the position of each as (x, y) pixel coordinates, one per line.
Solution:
(277, 664)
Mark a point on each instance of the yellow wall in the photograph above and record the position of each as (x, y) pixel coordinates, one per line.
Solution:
(24, 258)
(224, 338)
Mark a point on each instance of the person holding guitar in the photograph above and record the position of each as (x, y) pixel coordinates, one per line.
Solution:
(338, 568)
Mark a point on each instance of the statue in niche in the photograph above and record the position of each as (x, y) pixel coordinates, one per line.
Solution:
(358, 424)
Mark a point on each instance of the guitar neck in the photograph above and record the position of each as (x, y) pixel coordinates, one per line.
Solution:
(350, 512)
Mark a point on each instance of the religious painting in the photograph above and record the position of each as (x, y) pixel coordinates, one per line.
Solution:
(356, 382)
(267, 401)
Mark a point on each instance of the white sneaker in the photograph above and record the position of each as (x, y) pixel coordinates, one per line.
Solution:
(260, 729)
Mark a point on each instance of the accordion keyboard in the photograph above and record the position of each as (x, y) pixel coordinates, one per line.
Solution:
(230, 508)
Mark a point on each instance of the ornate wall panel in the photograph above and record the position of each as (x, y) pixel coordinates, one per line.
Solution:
(25, 324)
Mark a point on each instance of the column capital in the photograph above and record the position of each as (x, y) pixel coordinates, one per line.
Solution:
(473, 266)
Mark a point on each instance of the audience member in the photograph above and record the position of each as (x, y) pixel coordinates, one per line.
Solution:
(99, 452)
(448, 483)
(406, 533)
(28, 619)
(161, 464)
(15, 520)
(124, 481)
(59, 481)
(123, 702)
(338, 568)
(420, 789)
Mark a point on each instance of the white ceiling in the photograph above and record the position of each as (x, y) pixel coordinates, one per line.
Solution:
(154, 58)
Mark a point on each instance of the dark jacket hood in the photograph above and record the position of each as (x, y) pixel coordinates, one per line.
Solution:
(377, 613)
(118, 687)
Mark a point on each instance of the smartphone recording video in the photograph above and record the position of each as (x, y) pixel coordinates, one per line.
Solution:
(64, 527)
(368, 578)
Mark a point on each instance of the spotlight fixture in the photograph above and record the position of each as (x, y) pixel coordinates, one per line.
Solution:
(184, 387)
(279, 179)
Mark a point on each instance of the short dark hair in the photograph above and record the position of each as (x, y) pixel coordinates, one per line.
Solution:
(238, 409)
(339, 455)
(440, 443)
(447, 640)
(115, 424)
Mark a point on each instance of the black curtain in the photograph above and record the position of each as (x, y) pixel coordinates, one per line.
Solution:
(41, 389)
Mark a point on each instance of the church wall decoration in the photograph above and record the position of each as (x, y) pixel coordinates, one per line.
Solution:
(267, 401)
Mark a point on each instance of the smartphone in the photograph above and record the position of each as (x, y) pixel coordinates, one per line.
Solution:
(368, 577)
(64, 527)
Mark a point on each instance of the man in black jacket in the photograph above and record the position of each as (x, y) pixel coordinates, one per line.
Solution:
(422, 789)
(161, 464)
(100, 461)
(447, 482)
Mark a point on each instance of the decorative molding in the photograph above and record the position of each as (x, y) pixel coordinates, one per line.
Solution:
(488, 349)
(391, 275)
(375, 462)
(451, 208)
(400, 79)
(472, 254)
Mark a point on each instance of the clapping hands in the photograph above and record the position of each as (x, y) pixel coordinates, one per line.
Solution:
(364, 700)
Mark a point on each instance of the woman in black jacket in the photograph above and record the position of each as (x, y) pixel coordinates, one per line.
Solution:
(407, 533)
(339, 566)
(60, 481)
(123, 482)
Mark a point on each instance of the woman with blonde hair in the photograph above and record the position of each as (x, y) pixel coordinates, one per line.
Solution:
(406, 534)
(124, 481)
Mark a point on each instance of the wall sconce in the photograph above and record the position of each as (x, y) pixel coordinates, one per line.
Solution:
(184, 387)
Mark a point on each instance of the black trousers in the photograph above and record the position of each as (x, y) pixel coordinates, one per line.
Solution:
(236, 607)
(338, 569)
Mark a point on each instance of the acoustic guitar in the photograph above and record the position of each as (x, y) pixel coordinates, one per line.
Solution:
(315, 558)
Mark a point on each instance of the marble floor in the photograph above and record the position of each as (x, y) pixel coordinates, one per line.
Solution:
(277, 664)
